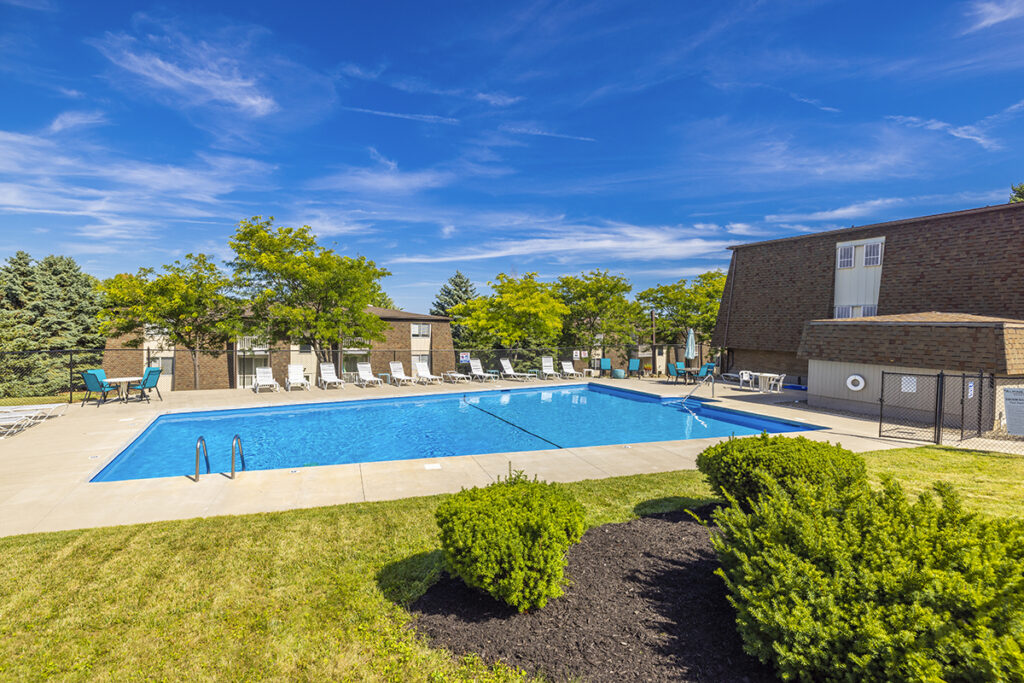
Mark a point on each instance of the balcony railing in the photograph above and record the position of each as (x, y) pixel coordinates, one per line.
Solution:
(252, 344)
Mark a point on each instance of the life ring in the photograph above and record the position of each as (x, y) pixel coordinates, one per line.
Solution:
(854, 382)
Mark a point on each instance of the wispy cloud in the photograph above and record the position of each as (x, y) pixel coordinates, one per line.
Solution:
(855, 210)
(532, 130)
(971, 133)
(412, 84)
(385, 178)
(424, 118)
(814, 103)
(991, 12)
(77, 119)
(30, 4)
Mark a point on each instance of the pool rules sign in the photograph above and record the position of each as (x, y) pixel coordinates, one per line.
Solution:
(1013, 402)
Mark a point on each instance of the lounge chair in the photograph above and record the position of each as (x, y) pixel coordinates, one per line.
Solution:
(508, 373)
(547, 368)
(38, 412)
(328, 377)
(477, 371)
(149, 380)
(13, 423)
(296, 377)
(424, 374)
(96, 383)
(365, 373)
(634, 366)
(606, 364)
(265, 379)
(569, 371)
(454, 376)
(398, 375)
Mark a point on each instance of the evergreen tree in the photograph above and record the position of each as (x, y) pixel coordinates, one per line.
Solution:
(1016, 193)
(457, 290)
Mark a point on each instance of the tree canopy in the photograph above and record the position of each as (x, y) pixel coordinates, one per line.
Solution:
(187, 303)
(519, 309)
(1017, 193)
(457, 290)
(599, 310)
(679, 307)
(301, 291)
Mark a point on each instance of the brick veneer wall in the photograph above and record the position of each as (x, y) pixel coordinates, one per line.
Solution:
(122, 361)
(756, 360)
(965, 262)
(214, 370)
(995, 348)
(442, 353)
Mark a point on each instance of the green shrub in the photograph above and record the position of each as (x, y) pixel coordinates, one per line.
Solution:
(510, 538)
(856, 585)
(741, 467)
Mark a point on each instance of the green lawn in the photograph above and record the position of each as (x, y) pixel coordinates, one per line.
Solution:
(309, 594)
(306, 594)
(992, 483)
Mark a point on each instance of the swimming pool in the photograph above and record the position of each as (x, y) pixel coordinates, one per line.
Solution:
(444, 425)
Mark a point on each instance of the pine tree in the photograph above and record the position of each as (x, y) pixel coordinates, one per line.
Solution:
(1016, 193)
(457, 290)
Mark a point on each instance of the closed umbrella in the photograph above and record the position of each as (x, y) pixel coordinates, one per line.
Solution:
(691, 345)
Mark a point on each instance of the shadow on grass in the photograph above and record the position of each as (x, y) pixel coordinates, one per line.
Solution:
(657, 506)
(403, 581)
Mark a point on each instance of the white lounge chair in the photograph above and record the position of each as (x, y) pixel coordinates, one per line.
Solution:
(569, 371)
(423, 373)
(477, 371)
(37, 412)
(398, 375)
(265, 379)
(12, 423)
(455, 376)
(547, 368)
(328, 377)
(365, 373)
(746, 377)
(296, 378)
(508, 372)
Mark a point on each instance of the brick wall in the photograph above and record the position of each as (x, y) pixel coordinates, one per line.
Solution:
(122, 361)
(782, 362)
(442, 354)
(214, 370)
(967, 262)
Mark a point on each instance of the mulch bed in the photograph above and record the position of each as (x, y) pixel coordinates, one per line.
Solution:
(643, 605)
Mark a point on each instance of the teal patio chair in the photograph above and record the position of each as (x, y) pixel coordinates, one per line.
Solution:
(705, 370)
(96, 382)
(634, 366)
(149, 380)
(606, 364)
(673, 371)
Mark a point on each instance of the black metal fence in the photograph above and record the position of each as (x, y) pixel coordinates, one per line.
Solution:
(982, 411)
(49, 376)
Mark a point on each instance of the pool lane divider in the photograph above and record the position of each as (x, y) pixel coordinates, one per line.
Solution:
(498, 417)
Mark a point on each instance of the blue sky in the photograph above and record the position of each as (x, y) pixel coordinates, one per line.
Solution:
(641, 137)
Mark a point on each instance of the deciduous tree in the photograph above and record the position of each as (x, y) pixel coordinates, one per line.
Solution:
(519, 309)
(600, 312)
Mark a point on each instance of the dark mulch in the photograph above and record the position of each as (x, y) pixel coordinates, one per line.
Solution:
(643, 605)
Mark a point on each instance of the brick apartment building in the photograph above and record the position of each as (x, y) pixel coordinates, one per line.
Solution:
(942, 292)
(409, 337)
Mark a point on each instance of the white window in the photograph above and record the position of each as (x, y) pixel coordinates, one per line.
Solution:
(165, 363)
(422, 331)
(868, 310)
(424, 358)
(844, 312)
(872, 254)
(846, 257)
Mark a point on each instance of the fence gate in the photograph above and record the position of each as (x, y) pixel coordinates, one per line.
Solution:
(909, 406)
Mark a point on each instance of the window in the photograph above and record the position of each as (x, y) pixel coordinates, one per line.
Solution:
(844, 312)
(424, 358)
(873, 254)
(868, 310)
(165, 363)
(305, 348)
(846, 257)
(422, 331)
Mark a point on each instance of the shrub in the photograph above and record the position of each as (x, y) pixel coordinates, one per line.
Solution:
(510, 538)
(842, 585)
(739, 467)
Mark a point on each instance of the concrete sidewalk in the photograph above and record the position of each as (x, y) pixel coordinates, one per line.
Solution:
(45, 481)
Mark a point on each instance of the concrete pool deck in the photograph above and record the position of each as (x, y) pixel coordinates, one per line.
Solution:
(45, 482)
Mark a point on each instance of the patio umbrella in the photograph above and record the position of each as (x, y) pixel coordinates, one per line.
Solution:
(691, 345)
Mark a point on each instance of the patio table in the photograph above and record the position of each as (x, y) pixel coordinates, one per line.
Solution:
(764, 380)
(122, 385)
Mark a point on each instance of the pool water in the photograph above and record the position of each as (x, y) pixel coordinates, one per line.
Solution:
(405, 428)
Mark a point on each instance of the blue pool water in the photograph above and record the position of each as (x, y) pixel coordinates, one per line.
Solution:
(422, 427)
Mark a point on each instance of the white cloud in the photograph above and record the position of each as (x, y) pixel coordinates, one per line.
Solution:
(383, 180)
(533, 130)
(855, 210)
(972, 133)
(411, 84)
(447, 231)
(745, 230)
(30, 4)
(991, 12)
(425, 118)
(814, 103)
(76, 119)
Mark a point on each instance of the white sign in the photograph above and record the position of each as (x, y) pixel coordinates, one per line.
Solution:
(576, 354)
(584, 353)
(1013, 402)
(970, 390)
(908, 384)
(463, 356)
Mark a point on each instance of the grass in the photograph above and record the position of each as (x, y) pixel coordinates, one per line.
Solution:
(991, 483)
(313, 594)
(305, 594)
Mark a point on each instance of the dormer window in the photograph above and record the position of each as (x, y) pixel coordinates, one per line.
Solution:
(872, 254)
(845, 256)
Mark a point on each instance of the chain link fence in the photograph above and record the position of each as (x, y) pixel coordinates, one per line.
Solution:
(28, 377)
(979, 411)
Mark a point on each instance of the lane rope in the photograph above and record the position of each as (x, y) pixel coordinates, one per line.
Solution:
(498, 417)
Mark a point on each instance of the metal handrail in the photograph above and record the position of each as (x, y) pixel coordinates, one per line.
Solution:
(201, 442)
(237, 440)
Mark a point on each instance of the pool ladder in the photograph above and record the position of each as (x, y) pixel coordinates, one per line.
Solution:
(704, 380)
(236, 447)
